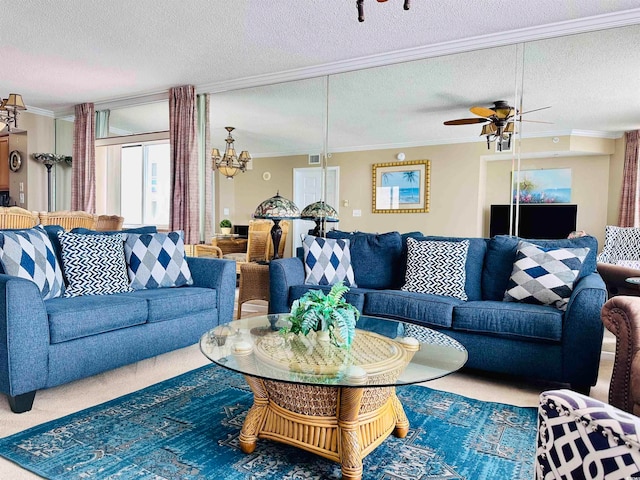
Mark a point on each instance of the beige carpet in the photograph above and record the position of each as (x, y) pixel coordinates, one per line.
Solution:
(59, 401)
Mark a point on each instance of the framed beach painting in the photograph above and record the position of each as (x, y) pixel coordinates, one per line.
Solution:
(401, 187)
(551, 185)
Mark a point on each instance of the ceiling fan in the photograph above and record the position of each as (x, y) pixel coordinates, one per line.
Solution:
(498, 122)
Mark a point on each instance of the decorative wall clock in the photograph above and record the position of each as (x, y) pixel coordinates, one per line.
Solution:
(15, 161)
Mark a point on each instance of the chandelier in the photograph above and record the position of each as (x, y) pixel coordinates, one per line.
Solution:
(360, 5)
(9, 108)
(230, 164)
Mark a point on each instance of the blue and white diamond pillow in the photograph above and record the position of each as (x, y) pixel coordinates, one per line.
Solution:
(327, 261)
(93, 264)
(29, 254)
(544, 276)
(157, 260)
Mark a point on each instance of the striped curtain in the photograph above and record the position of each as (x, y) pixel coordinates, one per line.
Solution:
(183, 138)
(83, 168)
(206, 174)
(629, 200)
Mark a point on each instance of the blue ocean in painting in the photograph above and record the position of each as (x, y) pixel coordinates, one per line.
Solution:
(547, 195)
(410, 195)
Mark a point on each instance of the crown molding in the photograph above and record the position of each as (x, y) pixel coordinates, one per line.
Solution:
(558, 29)
(40, 111)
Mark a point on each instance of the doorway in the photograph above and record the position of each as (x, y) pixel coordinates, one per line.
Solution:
(307, 188)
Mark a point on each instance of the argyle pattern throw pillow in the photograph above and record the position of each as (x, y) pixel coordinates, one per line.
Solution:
(93, 264)
(544, 276)
(157, 260)
(29, 254)
(327, 261)
(437, 267)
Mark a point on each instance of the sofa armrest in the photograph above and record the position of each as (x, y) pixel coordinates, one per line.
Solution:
(582, 332)
(621, 316)
(283, 273)
(615, 277)
(220, 275)
(24, 337)
(604, 438)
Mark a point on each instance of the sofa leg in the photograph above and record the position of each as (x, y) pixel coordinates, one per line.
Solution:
(583, 389)
(22, 403)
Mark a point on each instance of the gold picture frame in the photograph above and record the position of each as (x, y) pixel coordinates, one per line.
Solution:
(401, 187)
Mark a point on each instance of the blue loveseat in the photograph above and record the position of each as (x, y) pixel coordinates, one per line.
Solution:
(44, 343)
(534, 341)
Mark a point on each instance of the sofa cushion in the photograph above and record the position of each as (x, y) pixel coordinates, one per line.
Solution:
(620, 243)
(531, 322)
(355, 296)
(93, 264)
(327, 261)
(501, 253)
(474, 264)
(421, 308)
(170, 303)
(77, 317)
(436, 267)
(544, 276)
(157, 260)
(29, 254)
(375, 257)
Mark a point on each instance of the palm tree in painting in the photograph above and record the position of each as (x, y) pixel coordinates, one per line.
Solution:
(410, 176)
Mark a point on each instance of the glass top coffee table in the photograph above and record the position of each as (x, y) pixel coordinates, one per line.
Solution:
(335, 402)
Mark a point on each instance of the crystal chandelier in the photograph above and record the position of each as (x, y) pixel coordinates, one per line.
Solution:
(230, 164)
(9, 108)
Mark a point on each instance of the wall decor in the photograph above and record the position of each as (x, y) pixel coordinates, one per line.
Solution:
(401, 187)
(551, 185)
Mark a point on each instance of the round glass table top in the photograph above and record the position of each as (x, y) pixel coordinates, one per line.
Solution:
(383, 353)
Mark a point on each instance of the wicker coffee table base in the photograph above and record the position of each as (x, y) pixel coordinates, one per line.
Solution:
(343, 424)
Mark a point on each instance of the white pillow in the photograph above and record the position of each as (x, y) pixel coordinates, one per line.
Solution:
(620, 243)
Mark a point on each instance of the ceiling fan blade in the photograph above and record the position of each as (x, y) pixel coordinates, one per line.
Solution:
(535, 121)
(482, 111)
(466, 121)
(535, 110)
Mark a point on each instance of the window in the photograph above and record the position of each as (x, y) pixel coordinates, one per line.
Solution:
(135, 181)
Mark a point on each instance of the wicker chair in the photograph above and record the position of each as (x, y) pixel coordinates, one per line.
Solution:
(207, 251)
(109, 223)
(257, 244)
(16, 217)
(69, 219)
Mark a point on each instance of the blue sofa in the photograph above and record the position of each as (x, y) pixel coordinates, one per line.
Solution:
(533, 341)
(55, 341)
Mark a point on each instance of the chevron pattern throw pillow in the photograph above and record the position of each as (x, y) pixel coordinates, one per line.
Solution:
(29, 254)
(437, 267)
(157, 260)
(93, 264)
(544, 276)
(327, 261)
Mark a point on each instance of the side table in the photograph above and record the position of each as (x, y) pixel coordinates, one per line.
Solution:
(254, 283)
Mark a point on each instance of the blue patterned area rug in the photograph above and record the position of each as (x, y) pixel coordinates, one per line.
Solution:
(188, 427)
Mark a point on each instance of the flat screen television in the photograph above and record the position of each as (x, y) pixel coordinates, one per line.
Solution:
(537, 220)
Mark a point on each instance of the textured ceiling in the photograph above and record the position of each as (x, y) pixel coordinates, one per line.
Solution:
(57, 54)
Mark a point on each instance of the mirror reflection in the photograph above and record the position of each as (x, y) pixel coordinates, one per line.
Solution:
(397, 112)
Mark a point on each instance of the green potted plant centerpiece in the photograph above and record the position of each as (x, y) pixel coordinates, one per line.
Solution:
(225, 226)
(329, 313)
